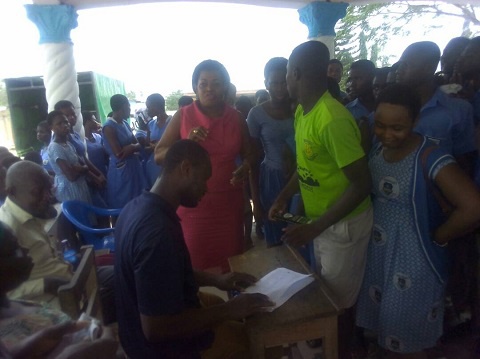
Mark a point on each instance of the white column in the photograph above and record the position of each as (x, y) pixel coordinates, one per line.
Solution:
(320, 18)
(54, 23)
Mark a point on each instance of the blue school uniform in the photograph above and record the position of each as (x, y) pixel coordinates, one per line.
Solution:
(402, 295)
(152, 170)
(125, 177)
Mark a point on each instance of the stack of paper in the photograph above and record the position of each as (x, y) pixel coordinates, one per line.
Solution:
(280, 284)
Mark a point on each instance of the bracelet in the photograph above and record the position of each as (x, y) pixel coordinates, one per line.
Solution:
(440, 245)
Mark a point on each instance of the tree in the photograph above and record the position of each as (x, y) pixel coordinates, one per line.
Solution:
(131, 95)
(171, 102)
(364, 31)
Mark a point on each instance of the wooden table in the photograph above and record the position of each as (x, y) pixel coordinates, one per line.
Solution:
(309, 314)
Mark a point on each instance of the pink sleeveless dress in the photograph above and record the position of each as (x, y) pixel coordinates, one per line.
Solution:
(214, 229)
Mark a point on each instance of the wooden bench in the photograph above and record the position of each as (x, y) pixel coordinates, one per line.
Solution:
(309, 314)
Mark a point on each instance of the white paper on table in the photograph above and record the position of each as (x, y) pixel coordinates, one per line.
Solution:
(280, 284)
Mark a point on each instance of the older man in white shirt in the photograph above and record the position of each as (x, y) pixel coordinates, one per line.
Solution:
(27, 206)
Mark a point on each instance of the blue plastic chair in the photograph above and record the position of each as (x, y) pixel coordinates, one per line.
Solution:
(82, 215)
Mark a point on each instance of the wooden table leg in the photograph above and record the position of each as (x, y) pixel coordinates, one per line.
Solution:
(330, 338)
(257, 345)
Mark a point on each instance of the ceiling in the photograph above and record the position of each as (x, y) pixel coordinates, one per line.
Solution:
(295, 4)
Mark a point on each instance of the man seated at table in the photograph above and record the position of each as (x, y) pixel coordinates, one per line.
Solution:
(28, 205)
(160, 312)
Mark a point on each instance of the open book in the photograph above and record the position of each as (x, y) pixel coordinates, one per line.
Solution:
(280, 284)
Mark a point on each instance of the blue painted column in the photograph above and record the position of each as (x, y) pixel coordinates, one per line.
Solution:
(320, 18)
(54, 23)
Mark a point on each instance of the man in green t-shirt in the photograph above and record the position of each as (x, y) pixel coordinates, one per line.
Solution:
(332, 175)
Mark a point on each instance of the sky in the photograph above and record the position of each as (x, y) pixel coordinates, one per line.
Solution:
(155, 47)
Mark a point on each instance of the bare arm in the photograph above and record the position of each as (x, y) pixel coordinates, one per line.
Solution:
(280, 204)
(92, 168)
(246, 153)
(72, 172)
(111, 137)
(366, 136)
(254, 180)
(119, 151)
(360, 186)
(169, 137)
(464, 196)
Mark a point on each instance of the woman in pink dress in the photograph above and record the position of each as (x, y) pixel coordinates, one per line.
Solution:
(214, 229)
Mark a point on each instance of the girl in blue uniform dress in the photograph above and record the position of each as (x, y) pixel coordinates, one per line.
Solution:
(155, 129)
(70, 173)
(125, 175)
(402, 296)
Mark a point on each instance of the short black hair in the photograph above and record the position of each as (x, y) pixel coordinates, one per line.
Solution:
(260, 93)
(382, 71)
(402, 95)
(157, 99)
(34, 156)
(185, 150)
(475, 41)
(364, 65)
(210, 65)
(52, 115)
(117, 101)
(312, 58)
(44, 124)
(275, 64)
(456, 43)
(243, 101)
(185, 101)
(10, 160)
(87, 115)
(427, 52)
(60, 105)
(335, 61)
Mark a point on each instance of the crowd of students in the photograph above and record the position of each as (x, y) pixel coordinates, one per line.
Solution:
(386, 171)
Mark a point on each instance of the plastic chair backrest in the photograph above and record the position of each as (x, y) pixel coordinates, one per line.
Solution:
(80, 212)
(82, 215)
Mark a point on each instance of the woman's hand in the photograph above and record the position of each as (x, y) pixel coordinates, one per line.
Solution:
(240, 174)
(198, 134)
(128, 150)
(81, 169)
(98, 181)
